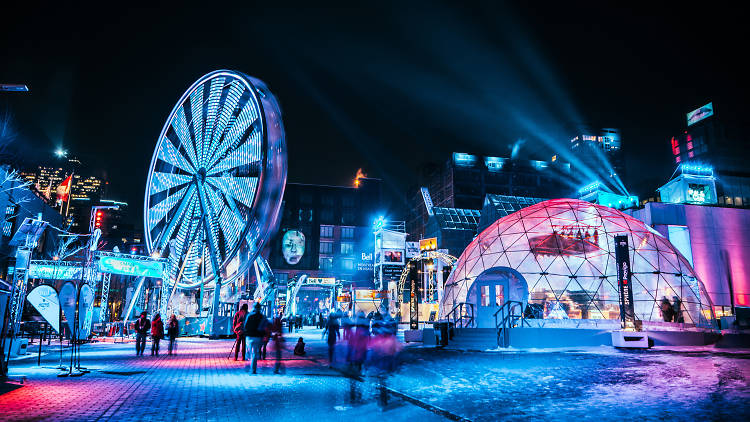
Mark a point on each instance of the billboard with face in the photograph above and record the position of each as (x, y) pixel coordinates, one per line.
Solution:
(293, 246)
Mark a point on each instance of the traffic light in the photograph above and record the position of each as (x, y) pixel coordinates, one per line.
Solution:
(98, 220)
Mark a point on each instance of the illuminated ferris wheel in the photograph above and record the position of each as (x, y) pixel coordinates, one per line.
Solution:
(216, 179)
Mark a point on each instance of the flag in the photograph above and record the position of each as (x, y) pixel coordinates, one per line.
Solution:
(63, 190)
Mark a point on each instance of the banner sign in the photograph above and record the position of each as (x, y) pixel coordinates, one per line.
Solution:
(129, 266)
(701, 113)
(44, 299)
(55, 272)
(624, 277)
(85, 311)
(412, 249)
(67, 298)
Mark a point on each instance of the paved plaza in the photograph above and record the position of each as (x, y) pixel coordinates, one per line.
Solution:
(200, 383)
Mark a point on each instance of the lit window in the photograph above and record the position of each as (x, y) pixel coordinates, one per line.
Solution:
(677, 159)
(347, 232)
(347, 264)
(326, 231)
(326, 247)
(485, 295)
(347, 248)
(690, 154)
(326, 263)
(690, 145)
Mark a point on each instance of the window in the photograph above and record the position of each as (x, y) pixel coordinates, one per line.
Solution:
(677, 159)
(485, 295)
(690, 145)
(690, 154)
(499, 295)
(347, 264)
(347, 232)
(326, 231)
(326, 248)
(347, 248)
(348, 201)
(326, 263)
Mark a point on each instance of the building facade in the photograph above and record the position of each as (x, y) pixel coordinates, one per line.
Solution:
(464, 181)
(326, 232)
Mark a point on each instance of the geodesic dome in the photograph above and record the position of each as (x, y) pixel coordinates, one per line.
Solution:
(564, 252)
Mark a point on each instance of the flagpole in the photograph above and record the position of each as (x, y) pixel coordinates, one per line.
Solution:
(70, 188)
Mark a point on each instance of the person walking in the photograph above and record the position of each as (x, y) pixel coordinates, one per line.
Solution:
(157, 333)
(255, 326)
(142, 325)
(173, 330)
(332, 331)
(238, 326)
(677, 310)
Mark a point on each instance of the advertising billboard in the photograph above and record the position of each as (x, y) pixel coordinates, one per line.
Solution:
(429, 244)
(699, 114)
(128, 266)
(293, 246)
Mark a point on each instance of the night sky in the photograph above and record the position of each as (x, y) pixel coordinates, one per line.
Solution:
(383, 89)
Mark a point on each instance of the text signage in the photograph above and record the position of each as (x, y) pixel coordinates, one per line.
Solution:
(44, 299)
(622, 258)
(133, 267)
(699, 114)
(55, 272)
(413, 306)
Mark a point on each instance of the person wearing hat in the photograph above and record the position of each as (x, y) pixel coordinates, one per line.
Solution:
(255, 329)
(142, 327)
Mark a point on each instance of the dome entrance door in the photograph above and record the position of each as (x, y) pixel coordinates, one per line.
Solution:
(490, 291)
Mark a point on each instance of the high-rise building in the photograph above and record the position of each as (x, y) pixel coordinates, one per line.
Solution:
(464, 181)
(326, 232)
(599, 155)
(85, 190)
(706, 142)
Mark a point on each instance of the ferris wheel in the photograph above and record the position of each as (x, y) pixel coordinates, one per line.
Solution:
(216, 179)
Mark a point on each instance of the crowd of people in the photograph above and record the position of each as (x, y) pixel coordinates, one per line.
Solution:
(144, 326)
(355, 343)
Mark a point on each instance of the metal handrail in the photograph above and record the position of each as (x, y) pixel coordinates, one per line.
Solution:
(463, 316)
(509, 320)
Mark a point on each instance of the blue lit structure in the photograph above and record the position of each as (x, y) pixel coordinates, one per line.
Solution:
(597, 193)
(691, 184)
(216, 180)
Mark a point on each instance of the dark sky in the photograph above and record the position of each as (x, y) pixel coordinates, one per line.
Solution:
(379, 88)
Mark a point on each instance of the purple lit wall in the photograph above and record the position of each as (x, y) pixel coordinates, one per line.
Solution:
(719, 242)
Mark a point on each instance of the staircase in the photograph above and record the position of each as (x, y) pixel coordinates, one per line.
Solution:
(473, 339)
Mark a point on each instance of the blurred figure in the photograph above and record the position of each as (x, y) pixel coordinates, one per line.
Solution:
(255, 326)
(173, 330)
(677, 310)
(278, 346)
(667, 312)
(142, 325)
(299, 348)
(157, 333)
(360, 339)
(238, 326)
(331, 334)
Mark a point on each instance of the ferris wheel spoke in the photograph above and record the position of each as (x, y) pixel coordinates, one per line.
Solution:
(177, 216)
(189, 225)
(225, 118)
(211, 108)
(244, 125)
(169, 154)
(225, 217)
(246, 153)
(157, 212)
(163, 181)
(241, 189)
(180, 125)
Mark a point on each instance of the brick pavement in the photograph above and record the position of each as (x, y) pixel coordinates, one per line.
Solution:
(198, 384)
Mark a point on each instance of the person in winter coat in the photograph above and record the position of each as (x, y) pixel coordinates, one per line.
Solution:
(255, 329)
(173, 329)
(332, 330)
(299, 348)
(157, 333)
(142, 325)
(238, 326)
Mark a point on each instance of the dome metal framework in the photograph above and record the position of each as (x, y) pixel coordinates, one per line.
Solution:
(564, 251)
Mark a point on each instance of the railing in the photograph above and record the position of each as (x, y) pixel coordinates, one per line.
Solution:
(462, 315)
(508, 316)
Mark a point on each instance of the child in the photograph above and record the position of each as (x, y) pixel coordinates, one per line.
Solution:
(299, 348)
